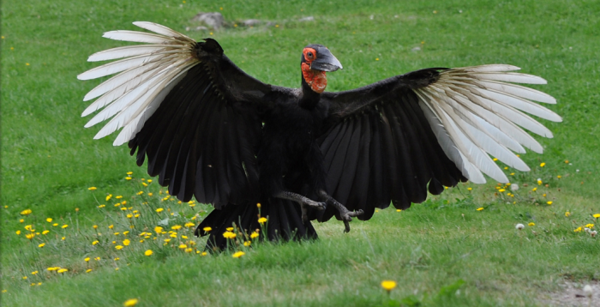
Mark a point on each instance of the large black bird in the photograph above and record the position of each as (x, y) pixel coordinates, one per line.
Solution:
(213, 132)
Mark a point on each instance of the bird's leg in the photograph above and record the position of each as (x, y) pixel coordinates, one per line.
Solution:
(345, 214)
(303, 201)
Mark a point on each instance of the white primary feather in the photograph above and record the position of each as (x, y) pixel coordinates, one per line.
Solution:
(146, 74)
(474, 113)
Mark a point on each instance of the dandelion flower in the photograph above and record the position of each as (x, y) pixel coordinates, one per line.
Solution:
(26, 212)
(519, 226)
(262, 220)
(567, 214)
(64, 226)
(531, 224)
(49, 220)
(247, 243)
(176, 227)
(126, 242)
(88, 270)
(578, 229)
(45, 232)
(24, 277)
(34, 272)
(589, 225)
(159, 210)
(207, 229)
(480, 209)
(182, 246)
(119, 247)
(593, 233)
(254, 235)
(130, 302)
(388, 285)
(92, 188)
(258, 205)
(42, 245)
(95, 242)
(18, 232)
(30, 236)
(189, 224)
(238, 254)
(204, 254)
(52, 269)
(549, 202)
(542, 164)
(597, 215)
(60, 271)
(148, 252)
(86, 259)
(111, 226)
(97, 258)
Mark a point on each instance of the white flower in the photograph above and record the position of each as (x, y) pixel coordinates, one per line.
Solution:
(588, 290)
(514, 187)
(587, 230)
(519, 226)
(593, 233)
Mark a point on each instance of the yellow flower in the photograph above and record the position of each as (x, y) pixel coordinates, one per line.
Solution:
(60, 271)
(469, 188)
(97, 258)
(501, 190)
(26, 212)
(207, 229)
(117, 259)
(534, 189)
(111, 227)
(182, 246)
(167, 240)
(578, 229)
(597, 215)
(159, 210)
(126, 242)
(140, 193)
(29, 227)
(204, 254)
(95, 242)
(125, 232)
(87, 259)
(127, 178)
(129, 173)
(18, 232)
(130, 302)
(549, 202)
(189, 224)
(388, 285)
(589, 226)
(34, 272)
(92, 188)
(24, 277)
(119, 247)
(52, 269)
(229, 235)
(480, 209)
(21, 220)
(49, 220)
(108, 197)
(539, 181)
(148, 252)
(45, 232)
(258, 205)
(129, 216)
(254, 235)
(150, 194)
(119, 197)
(149, 180)
(238, 254)
(30, 236)
(88, 270)
(567, 214)
(559, 176)
(64, 226)
(229, 228)
(247, 243)
(543, 164)
(262, 220)
(176, 227)
(42, 245)
(101, 206)
(531, 224)
(189, 250)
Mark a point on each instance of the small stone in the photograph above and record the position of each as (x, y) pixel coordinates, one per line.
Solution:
(309, 18)
(212, 20)
(251, 22)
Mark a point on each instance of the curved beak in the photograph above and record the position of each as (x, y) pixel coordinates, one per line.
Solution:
(325, 61)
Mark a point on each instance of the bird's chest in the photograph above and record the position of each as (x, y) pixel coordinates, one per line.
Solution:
(293, 128)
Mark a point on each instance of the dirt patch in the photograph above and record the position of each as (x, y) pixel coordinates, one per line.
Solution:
(573, 295)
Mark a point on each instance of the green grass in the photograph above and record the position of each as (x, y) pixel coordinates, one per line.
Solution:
(49, 160)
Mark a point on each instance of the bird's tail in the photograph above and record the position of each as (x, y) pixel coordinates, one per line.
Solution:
(279, 220)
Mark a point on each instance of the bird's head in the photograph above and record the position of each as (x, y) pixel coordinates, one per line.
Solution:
(316, 60)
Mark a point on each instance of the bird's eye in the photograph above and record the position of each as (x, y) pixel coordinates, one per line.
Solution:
(310, 55)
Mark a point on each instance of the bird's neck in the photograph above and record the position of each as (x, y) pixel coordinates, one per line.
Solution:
(314, 83)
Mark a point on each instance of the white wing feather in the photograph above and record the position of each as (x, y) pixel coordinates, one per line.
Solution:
(146, 74)
(474, 113)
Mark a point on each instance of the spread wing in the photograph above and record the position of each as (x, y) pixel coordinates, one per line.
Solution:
(394, 140)
(185, 106)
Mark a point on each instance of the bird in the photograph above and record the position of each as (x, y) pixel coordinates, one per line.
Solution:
(292, 156)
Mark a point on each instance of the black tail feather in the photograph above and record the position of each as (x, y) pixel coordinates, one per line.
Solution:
(284, 222)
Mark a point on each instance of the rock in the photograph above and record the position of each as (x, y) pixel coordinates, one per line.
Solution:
(212, 20)
(251, 22)
(309, 18)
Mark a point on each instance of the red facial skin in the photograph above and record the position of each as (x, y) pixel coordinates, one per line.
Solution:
(316, 79)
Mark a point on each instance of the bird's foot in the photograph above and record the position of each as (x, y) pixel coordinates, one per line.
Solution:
(345, 214)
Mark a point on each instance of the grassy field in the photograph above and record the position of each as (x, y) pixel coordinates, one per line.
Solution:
(444, 252)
